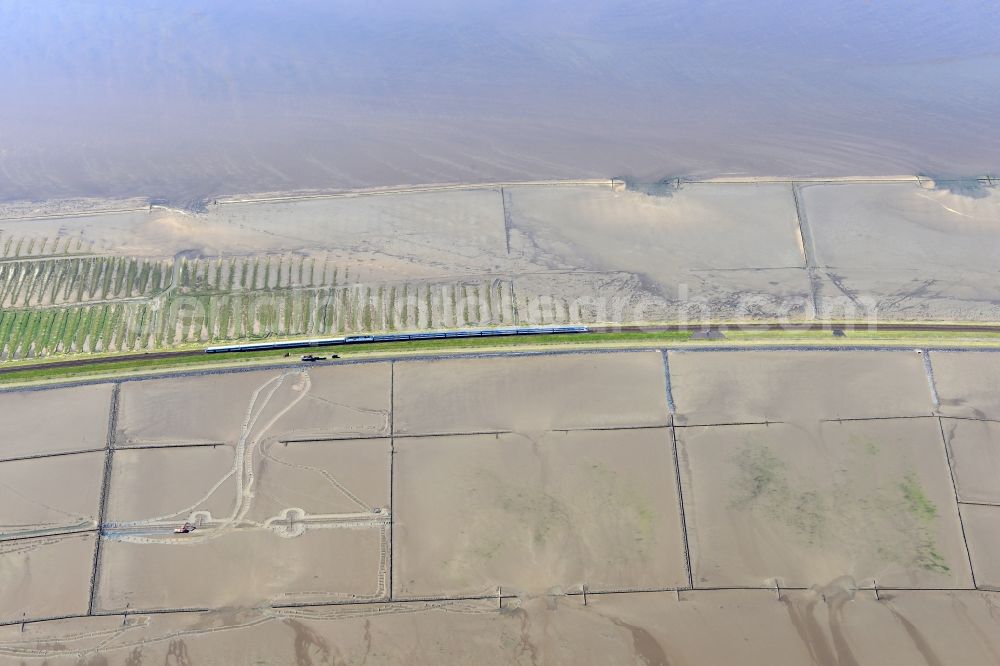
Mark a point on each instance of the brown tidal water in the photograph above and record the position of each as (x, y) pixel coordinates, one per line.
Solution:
(185, 100)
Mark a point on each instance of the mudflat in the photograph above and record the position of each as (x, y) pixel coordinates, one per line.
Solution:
(827, 626)
(46, 576)
(968, 384)
(946, 267)
(561, 510)
(527, 394)
(54, 421)
(453, 256)
(328, 402)
(799, 387)
(240, 569)
(759, 506)
(52, 492)
(778, 504)
(974, 448)
(982, 528)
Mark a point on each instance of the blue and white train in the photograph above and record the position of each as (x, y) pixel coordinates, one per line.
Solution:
(395, 337)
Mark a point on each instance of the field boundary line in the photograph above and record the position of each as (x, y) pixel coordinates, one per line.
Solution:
(668, 393)
(180, 445)
(332, 438)
(727, 424)
(680, 504)
(671, 406)
(49, 534)
(103, 502)
(968, 418)
(56, 454)
(507, 219)
(879, 418)
(392, 480)
(808, 249)
(931, 382)
(420, 435)
(768, 590)
(958, 508)
(654, 426)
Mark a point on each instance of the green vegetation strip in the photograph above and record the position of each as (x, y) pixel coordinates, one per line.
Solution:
(127, 367)
(35, 371)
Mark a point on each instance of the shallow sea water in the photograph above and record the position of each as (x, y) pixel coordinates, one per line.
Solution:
(185, 100)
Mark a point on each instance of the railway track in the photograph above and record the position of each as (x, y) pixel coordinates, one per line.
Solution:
(670, 328)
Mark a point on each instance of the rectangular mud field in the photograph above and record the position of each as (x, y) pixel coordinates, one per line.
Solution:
(700, 250)
(974, 447)
(327, 402)
(171, 483)
(54, 420)
(59, 492)
(968, 384)
(753, 627)
(612, 503)
(982, 528)
(267, 515)
(557, 510)
(832, 624)
(244, 569)
(868, 500)
(45, 576)
(945, 269)
(801, 386)
(429, 234)
(530, 393)
(752, 229)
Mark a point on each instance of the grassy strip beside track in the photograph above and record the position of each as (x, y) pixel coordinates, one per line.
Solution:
(110, 365)
(107, 367)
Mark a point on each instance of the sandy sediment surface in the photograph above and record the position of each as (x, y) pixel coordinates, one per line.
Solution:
(241, 569)
(711, 244)
(54, 421)
(968, 384)
(45, 576)
(186, 411)
(336, 402)
(498, 255)
(340, 402)
(324, 524)
(800, 387)
(560, 510)
(268, 510)
(330, 477)
(172, 482)
(914, 252)
(528, 394)
(974, 447)
(14, 210)
(46, 493)
(826, 626)
(982, 528)
(867, 499)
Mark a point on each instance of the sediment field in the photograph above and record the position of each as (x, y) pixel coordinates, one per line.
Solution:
(30, 430)
(658, 506)
(550, 512)
(156, 278)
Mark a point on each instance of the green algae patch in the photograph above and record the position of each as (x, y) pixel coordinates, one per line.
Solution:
(917, 502)
(837, 509)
